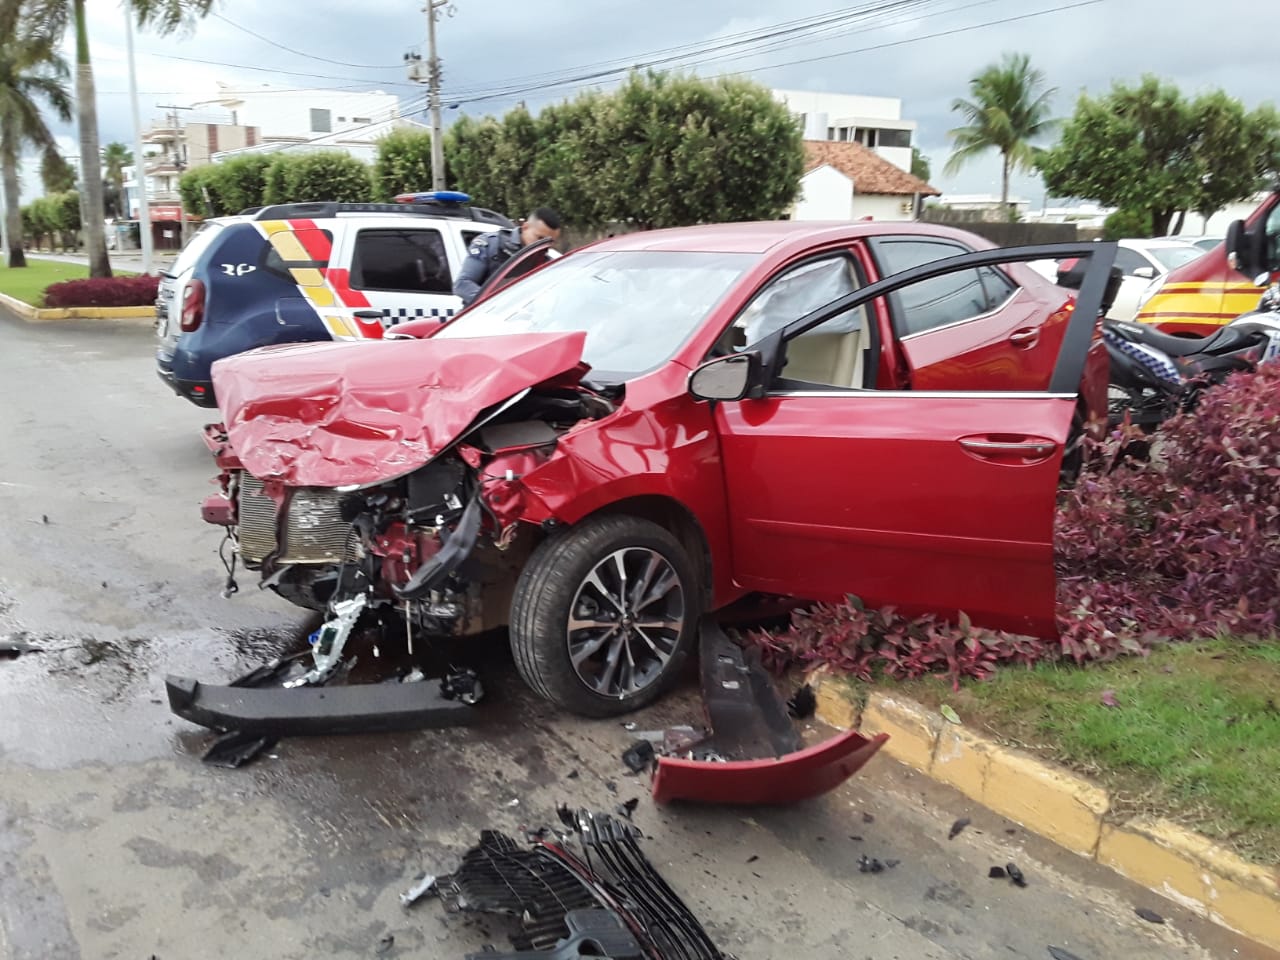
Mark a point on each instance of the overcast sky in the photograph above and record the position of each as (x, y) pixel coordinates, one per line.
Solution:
(498, 45)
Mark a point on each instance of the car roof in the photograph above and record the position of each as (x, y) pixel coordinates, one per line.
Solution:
(775, 236)
(1155, 243)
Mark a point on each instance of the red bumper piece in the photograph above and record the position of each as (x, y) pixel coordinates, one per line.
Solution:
(771, 782)
(217, 509)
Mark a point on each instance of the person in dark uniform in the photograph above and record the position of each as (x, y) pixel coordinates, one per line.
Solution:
(489, 251)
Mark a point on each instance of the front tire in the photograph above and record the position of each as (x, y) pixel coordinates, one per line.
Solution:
(604, 615)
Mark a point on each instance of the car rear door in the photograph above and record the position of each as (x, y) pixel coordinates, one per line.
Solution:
(976, 326)
(931, 500)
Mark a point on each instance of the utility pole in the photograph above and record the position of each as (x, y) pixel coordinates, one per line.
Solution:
(432, 78)
(139, 165)
(179, 161)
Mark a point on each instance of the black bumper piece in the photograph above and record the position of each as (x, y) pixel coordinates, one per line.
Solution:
(312, 711)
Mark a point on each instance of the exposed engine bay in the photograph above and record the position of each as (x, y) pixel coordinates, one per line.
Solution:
(437, 547)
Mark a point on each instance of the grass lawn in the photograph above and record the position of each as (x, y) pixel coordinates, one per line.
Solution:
(28, 283)
(1194, 736)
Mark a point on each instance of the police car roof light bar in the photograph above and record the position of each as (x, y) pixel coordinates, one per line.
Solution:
(434, 196)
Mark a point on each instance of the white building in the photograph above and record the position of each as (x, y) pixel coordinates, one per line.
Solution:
(847, 181)
(283, 113)
(361, 144)
(874, 122)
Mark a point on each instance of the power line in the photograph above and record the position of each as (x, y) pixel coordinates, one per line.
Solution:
(309, 56)
(771, 38)
(509, 93)
(289, 73)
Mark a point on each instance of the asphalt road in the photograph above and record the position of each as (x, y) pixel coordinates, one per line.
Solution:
(116, 842)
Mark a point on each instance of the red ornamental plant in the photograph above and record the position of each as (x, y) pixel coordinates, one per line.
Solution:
(1184, 545)
(137, 291)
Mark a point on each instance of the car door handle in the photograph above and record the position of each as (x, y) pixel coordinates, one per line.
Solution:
(1027, 337)
(1021, 449)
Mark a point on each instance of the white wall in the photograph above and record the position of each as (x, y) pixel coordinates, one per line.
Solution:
(825, 194)
(881, 207)
(282, 112)
(841, 104)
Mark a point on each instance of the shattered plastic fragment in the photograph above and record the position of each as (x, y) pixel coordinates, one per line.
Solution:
(958, 827)
(628, 808)
(233, 750)
(425, 884)
(1149, 915)
(1015, 875)
(869, 865)
(803, 703)
(997, 873)
(1059, 954)
(639, 756)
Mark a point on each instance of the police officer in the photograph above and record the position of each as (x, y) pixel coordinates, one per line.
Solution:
(489, 251)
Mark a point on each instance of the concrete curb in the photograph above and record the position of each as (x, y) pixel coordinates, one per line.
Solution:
(1068, 810)
(32, 314)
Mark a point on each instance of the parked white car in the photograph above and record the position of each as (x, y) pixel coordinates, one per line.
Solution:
(1142, 263)
(1203, 242)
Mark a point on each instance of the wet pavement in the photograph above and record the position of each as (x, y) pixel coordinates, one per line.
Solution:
(116, 842)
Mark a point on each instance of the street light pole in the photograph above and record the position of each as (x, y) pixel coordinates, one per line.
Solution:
(139, 166)
(433, 80)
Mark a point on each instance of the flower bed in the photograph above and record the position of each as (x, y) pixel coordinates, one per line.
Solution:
(137, 291)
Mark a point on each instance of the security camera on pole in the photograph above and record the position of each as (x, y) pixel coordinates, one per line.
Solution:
(430, 74)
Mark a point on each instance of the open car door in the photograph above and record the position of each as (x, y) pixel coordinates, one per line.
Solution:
(525, 261)
(931, 501)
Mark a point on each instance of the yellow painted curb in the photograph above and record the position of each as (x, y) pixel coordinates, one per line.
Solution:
(37, 315)
(1069, 810)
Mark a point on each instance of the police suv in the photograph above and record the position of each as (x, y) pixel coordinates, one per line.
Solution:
(298, 272)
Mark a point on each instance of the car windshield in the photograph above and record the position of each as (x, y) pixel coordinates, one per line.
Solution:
(637, 307)
(1172, 257)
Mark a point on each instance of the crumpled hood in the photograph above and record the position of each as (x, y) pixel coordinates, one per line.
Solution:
(355, 412)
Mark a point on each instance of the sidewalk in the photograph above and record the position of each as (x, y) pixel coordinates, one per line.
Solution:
(130, 260)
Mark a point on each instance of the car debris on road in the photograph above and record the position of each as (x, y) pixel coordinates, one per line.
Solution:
(608, 901)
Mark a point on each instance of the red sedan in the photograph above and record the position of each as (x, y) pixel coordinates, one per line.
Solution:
(655, 425)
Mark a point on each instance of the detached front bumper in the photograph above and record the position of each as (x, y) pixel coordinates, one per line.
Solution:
(317, 711)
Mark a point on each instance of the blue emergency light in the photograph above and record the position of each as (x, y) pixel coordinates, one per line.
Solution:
(434, 196)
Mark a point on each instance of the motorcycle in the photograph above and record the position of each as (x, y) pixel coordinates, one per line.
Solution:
(1155, 375)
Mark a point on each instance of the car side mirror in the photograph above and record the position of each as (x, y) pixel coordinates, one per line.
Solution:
(725, 378)
(1247, 247)
(1146, 273)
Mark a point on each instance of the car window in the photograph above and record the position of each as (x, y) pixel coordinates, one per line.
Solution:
(929, 304)
(401, 259)
(1130, 260)
(1173, 257)
(997, 286)
(829, 354)
(468, 236)
(637, 307)
(198, 244)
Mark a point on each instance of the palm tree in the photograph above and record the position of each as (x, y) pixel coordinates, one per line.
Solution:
(30, 71)
(114, 159)
(1009, 109)
(56, 16)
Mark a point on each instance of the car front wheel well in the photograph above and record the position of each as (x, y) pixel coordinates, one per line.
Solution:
(677, 518)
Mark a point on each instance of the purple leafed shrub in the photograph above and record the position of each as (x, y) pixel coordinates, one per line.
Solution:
(1182, 546)
(137, 291)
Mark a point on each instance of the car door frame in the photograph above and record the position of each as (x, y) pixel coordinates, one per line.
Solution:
(1060, 395)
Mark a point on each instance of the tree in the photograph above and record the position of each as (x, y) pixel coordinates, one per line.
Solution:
(115, 158)
(201, 192)
(1146, 148)
(323, 175)
(1009, 109)
(662, 150)
(56, 174)
(54, 17)
(920, 165)
(31, 72)
(241, 182)
(403, 163)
